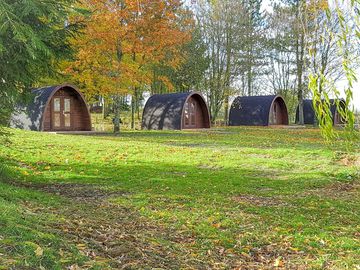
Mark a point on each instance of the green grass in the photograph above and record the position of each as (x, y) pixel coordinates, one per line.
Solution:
(225, 198)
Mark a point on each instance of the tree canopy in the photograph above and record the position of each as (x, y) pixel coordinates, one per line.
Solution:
(34, 37)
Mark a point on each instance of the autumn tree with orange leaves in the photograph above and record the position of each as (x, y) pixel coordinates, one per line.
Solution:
(124, 40)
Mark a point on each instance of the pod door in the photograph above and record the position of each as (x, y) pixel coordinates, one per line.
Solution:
(190, 114)
(195, 113)
(61, 116)
(278, 113)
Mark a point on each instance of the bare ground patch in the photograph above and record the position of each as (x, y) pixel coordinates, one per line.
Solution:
(211, 167)
(259, 201)
(341, 189)
(80, 192)
(336, 190)
(349, 161)
(272, 256)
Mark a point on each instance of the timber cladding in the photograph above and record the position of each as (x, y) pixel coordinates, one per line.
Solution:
(55, 108)
(176, 111)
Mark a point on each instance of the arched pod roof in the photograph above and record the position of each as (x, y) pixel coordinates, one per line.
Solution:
(309, 112)
(165, 111)
(255, 110)
(30, 116)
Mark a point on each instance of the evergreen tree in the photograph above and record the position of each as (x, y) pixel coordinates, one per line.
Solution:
(34, 37)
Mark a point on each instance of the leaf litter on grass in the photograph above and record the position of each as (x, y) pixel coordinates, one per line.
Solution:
(118, 237)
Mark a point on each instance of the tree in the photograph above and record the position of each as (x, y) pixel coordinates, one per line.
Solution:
(324, 87)
(293, 46)
(189, 75)
(281, 69)
(123, 41)
(222, 30)
(33, 39)
(253, 54)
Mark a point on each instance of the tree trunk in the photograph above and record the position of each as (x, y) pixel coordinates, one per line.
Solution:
(300, 94)
(249, 82)
(103, 108)
(133, 108)
(138, 98)
(300, 51)
(226, 108)
(301, 111)
(116, 120)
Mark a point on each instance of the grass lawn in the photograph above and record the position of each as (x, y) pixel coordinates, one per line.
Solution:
(231, 198)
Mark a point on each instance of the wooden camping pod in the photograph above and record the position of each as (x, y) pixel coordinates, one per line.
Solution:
(309, 113)
(258, 111)
(176, 111)
(55, 108)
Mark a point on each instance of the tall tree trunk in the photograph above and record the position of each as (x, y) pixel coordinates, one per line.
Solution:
(249, 81)
(133, 109)
(300, 93)
(138, 98)
(103, 111)
(301, 111)
(116, 120)
(300, 51)
(227, 73)
(226, 108)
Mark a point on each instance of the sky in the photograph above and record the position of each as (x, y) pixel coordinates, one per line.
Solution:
(341, 85)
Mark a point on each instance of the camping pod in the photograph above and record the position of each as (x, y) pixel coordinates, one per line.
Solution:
(176, 111)
(309, 112)
(258, 111)
(55, 108)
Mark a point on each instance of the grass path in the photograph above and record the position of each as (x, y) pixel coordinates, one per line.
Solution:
(247, 198)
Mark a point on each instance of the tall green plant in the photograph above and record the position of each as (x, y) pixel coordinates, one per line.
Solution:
(323, 87)
(34, 37)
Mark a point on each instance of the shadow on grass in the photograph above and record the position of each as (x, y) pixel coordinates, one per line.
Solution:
(162, 212)
(147, 218)
(261, 137)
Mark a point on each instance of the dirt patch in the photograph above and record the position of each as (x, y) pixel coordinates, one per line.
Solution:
(189, 145)
(254, 155)
(350, 161)
(343, 190)
(259, 201)
(339, 188)
(210, 167)
(272, 256)
(80, 192)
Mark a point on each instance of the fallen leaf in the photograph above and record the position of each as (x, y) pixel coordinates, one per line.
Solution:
(216, 225)
(278, 262)
(39, 251)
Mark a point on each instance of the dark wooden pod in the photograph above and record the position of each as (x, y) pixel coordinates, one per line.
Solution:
(309, 113)
(258, 111)
(55, 108)
(176, 111)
